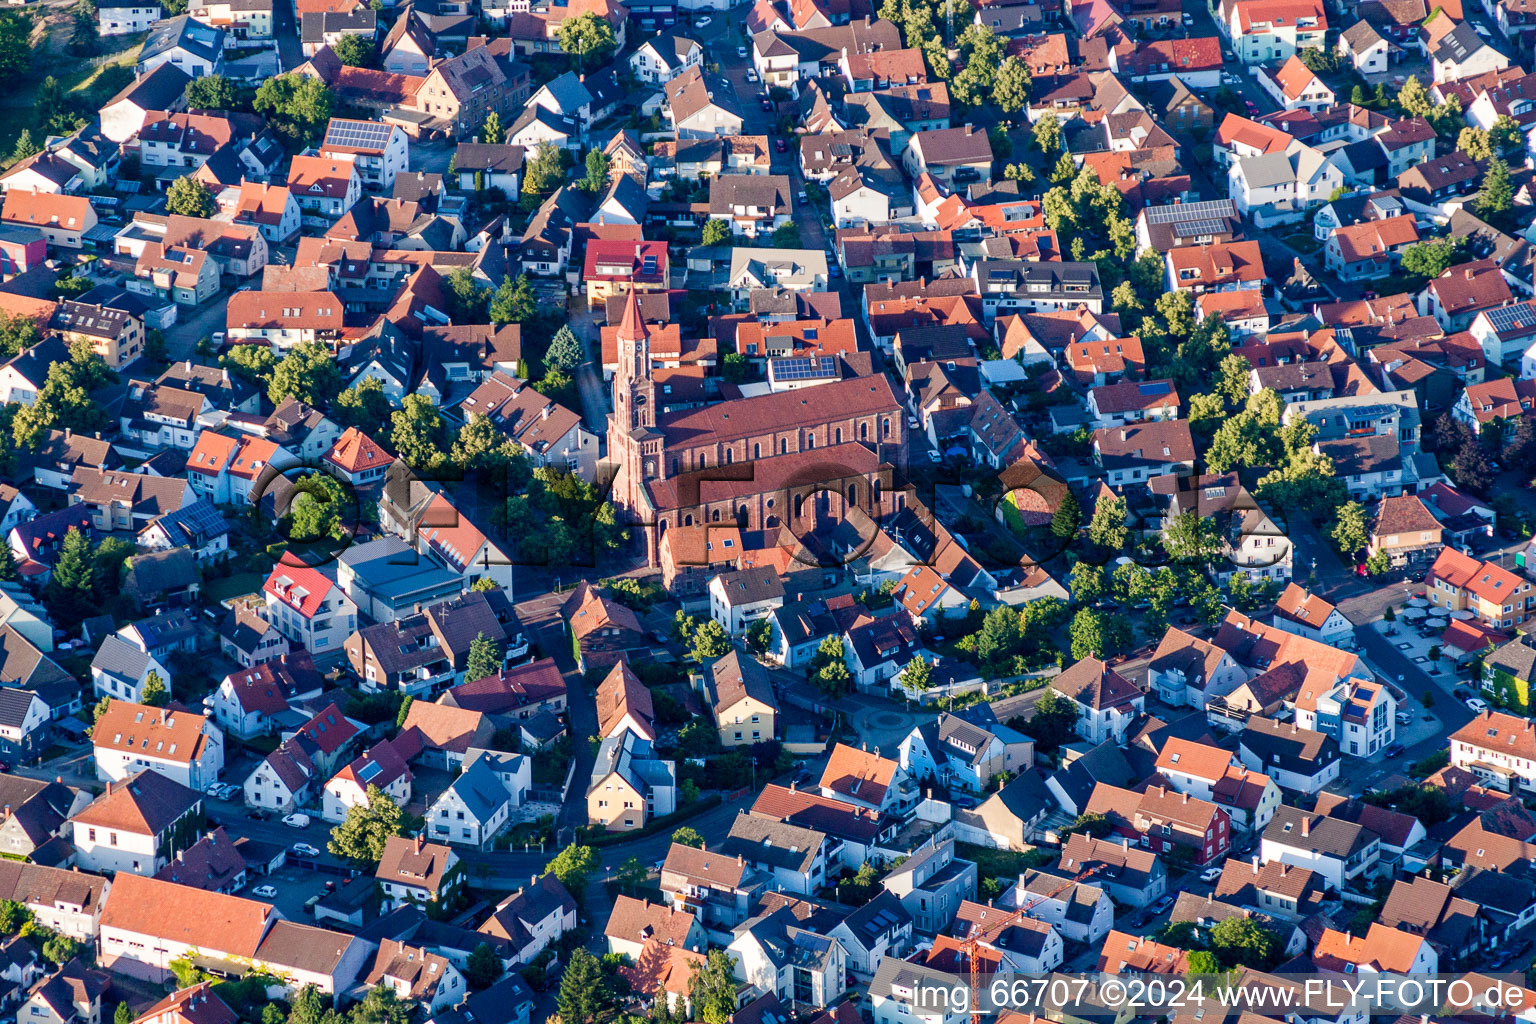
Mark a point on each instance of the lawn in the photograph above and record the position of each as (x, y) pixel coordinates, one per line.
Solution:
(91, 81)
(238, 585)
(992, 863)
(1303, 242)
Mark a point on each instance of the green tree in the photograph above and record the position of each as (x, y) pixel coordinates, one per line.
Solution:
(1475, 143)
(688, 836)
(1047, 137)
(25, 147)
(1414, 99)
(1244, 942)
(122, 1015)
(190, 198)
(544, 173)
(483, 968)
(308, 1006)
(759, 635)
(1067, 518)
(418, 433)
(316, 508)
(13, 916)
(60, 949)
(8, 564)
(571, 868)
(17, 334)
(1202, 961)
(1191, 537)
(466, 297)
(1087, 582)
(1088, 635)
(308, 373)
(514, 302)
(368, 827)
(1506, 137)
(712, 988)
(15, 43)
(354, 51)
(1429, 259)
(1497, 195)
(597, 172)
(917, 677)
(155, 694)
(716, 232)
(484, 658)
(829, 670)
(564, 352)
(710, 641)
(581, 995)
(74, 576)
(586, 35)
(491, 132)
(1107, 528)
(1054, 721)
(210, 92)
(251, 363)
(298, 106)
(364, 405)
(381, 1006)
(480, 445)
(787, 236)
(1349, 531)
(1095, 825)
(1010, 87)
(404, 714)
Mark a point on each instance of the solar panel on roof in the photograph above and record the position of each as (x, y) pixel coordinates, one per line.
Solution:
(1156, 387)
(1189, 211)
(357, 134)
(804, 368)
(1199, 227)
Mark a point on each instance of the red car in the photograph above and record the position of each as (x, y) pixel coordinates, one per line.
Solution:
(781, 145)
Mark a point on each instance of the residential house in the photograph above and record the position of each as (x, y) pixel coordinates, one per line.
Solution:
(931, 884)
(136, 826)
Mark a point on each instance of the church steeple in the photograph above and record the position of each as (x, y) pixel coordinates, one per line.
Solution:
(634, 389)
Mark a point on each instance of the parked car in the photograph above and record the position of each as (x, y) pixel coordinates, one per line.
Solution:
(1395, 750)
(265, 892)
(297, 819)
(1210, 874)
(1477, 704)
(741, 51)
(767, 103)
(304, 850)
(700, 23)
(1461, 693)
(751, 74)
(780, 146)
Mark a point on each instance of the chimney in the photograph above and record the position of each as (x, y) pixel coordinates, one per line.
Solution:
(1306, 825)
(1255, 863)
(109, 787)
(418, 842)
(740, 860)
(68, 432)
(1125, 843)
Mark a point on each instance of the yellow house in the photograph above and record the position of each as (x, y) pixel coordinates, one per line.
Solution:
(741, 699)
(629, 785)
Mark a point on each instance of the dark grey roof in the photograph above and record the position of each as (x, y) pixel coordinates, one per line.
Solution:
(14, 705)
(158, 90)
(1329, 836)
(121, 659)
(773, 844)
(183, 32)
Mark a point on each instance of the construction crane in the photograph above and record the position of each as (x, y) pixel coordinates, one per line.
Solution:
(971, 947)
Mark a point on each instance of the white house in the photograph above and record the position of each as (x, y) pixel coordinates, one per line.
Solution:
(955, 752)
(309, 609)
(121, 671)
(1299, 760)
(1107, 701)
(133, 827)
(413, 870)
(129, 738)
(116, 18)
(478, 805)
(738, 599)
(284, 780)
(662, 58)
(1299, 611)
(382, 766)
